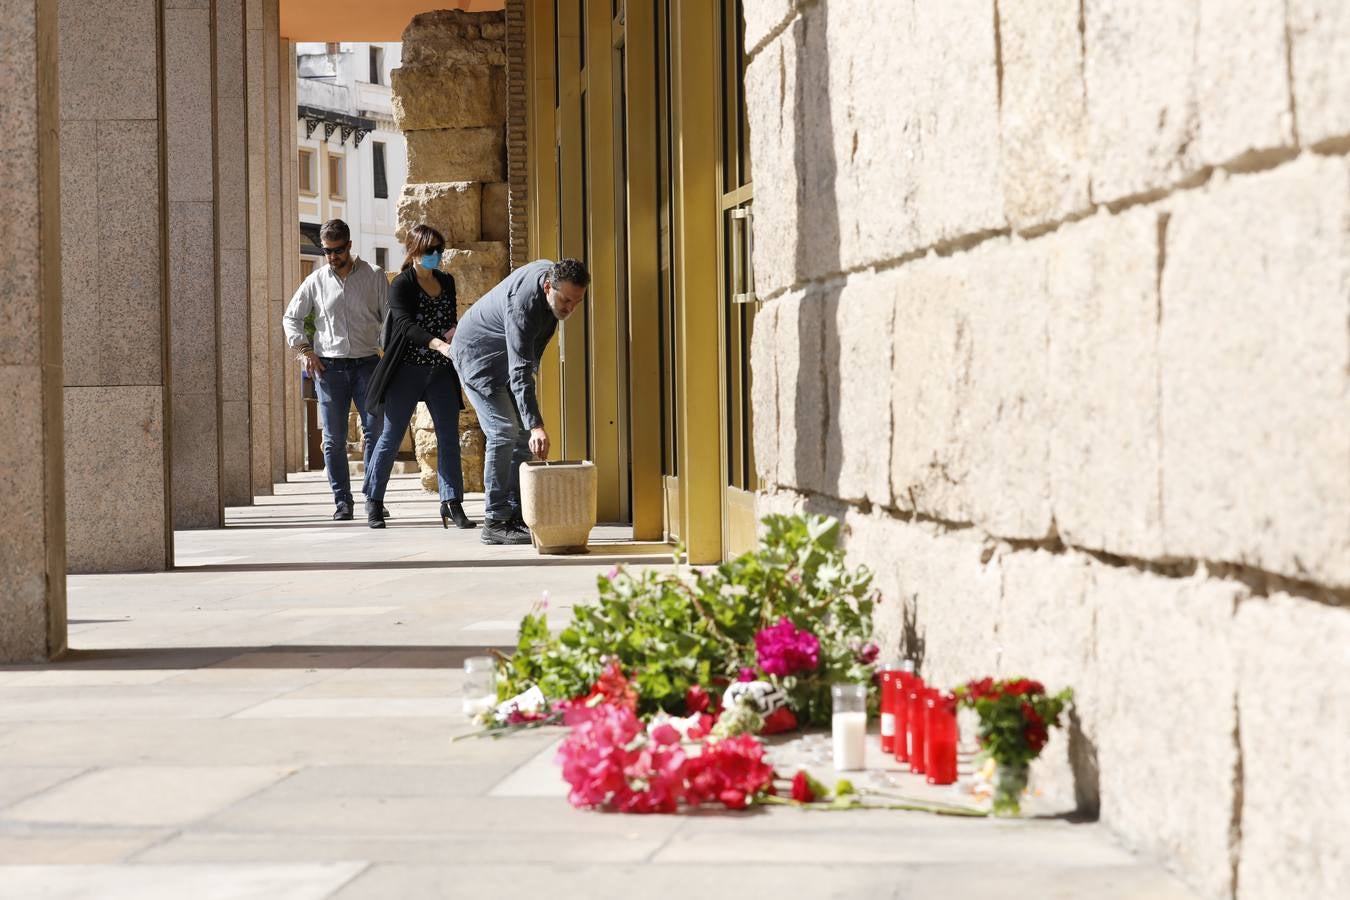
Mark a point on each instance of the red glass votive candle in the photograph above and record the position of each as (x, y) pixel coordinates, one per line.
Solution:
(900, 686)
(889, 677)
(914, 722)
(939, 746)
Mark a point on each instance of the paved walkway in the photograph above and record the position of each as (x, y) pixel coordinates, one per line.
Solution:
(273, 719)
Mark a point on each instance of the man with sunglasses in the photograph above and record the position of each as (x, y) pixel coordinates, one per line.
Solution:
(349, 298)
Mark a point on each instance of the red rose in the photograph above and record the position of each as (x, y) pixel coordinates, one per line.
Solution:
(696, 700)
(801, 788)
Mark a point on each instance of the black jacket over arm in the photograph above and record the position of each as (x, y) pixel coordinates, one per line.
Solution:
(401, 331)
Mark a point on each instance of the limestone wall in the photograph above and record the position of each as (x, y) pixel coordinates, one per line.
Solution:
(1057, 295)
(450, 103)
(517, 158)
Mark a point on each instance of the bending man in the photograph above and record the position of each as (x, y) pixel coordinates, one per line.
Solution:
(496, 351)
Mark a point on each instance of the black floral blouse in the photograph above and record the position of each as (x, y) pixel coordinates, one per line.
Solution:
(436, 315)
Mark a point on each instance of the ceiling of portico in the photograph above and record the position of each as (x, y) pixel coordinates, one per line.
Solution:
(362, 20)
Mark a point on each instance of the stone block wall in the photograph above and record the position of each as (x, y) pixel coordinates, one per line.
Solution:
(450, 101)
(1056, 323)
(516, 133)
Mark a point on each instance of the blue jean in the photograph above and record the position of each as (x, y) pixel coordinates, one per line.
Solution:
(508, 445)
(439, 389)
(344, 381)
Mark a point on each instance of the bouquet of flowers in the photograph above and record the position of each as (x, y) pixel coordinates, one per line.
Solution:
(1016, 715)
(611, 761)
(791, 614)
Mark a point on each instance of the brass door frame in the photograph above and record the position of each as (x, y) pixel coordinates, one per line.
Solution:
(696, 168)
(644, 356)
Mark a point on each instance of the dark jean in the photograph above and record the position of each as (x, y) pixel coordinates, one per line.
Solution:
(508, 445)
(439, 389)
(342, 382)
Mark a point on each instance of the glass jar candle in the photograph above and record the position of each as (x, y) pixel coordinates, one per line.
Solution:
(900, 688)
(913, 742)
(480, 685)
(939, 744)
(887, 676)
(848, 725)
(918, 719)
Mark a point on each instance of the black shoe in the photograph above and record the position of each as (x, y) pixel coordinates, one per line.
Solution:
(374, 515)
(516, 523)
(384, 511)
(502, 533)
(453, 511)
(343, 513)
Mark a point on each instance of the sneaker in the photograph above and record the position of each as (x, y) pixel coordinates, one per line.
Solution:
(495, 532)
(516, 523)
(343, 513)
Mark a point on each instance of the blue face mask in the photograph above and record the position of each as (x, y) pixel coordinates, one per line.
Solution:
(431, 260)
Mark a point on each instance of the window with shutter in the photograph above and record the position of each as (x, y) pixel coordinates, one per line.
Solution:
(381, 183)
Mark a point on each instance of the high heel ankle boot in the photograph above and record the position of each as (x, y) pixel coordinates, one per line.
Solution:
(453, 511)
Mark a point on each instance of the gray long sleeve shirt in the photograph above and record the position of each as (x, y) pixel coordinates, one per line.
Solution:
(348, 313)
(502, 337)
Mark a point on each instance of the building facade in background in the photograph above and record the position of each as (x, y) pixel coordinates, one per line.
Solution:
(351, 161)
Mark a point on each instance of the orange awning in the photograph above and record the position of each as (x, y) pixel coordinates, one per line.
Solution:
(362, 20)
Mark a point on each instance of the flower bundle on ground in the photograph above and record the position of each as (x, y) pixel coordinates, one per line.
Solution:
(790, 613)
(611, 761)
(1016, 715)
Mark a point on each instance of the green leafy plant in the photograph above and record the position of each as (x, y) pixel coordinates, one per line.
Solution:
(673, 630)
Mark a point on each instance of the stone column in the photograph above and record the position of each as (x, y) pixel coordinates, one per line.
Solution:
(260, 318)
(450, 103)
(232, 253)
(32, 536)
(290, 247)
(278, 223)
(194, 463)
(113, 285)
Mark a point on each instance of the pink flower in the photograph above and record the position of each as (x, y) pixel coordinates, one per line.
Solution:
(608, 763)
(612, 573)
(747, 674)
(784, 648)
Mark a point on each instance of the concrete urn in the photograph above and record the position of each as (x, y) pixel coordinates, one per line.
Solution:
(557, 501)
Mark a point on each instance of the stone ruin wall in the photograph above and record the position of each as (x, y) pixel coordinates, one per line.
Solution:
(450, 103)
(1089, 265)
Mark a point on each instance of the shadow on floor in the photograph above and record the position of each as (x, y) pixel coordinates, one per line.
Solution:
(600, 554)
(276, 656)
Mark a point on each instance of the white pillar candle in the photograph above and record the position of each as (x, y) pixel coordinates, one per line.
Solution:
(849, 730)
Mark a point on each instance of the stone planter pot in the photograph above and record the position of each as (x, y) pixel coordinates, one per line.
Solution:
(557, 501)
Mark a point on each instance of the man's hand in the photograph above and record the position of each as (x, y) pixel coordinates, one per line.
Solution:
(440, 347)
(539, 442)
(310, 363)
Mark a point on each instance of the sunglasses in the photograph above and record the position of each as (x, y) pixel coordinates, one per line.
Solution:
(336, 251)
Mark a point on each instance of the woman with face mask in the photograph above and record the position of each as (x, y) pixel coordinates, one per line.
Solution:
(416, 366)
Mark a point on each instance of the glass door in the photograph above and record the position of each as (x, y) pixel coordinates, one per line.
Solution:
(738, 299)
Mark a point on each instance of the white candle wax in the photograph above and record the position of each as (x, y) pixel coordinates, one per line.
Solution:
(849, 729)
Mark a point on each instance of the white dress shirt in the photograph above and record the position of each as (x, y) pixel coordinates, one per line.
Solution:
(348, 313)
